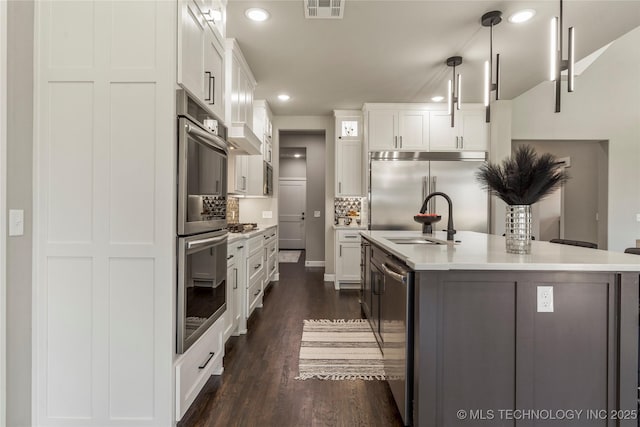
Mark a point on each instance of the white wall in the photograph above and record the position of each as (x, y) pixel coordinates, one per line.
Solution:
(3, 198)
(306, 123)
(604, 107)
(293, 168)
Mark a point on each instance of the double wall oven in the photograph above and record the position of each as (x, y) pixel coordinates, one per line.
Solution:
(202, 220)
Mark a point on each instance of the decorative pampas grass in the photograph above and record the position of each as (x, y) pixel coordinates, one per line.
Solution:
(524, 178)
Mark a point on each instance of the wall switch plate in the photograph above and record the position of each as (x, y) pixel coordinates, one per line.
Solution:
(316, 214)
(267, 214)
(638, 217)
(545, 299)
(16, 222)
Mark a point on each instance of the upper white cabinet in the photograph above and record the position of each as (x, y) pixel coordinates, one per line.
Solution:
(240, 85)
(200, 58)
(238, 174)
(470, 132)
(398, 130)
(262, 127)
(349, 153)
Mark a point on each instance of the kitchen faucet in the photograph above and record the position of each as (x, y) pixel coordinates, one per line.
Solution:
(450, 230)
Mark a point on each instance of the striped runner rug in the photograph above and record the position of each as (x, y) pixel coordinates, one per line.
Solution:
(339, 350)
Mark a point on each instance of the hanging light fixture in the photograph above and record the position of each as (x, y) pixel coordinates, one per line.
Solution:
(454, 89)
(490, 19)
(556, 64)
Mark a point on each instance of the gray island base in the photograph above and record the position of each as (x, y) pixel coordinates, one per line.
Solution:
(490, 345)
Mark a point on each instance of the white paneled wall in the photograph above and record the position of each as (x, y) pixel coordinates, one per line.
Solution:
(104, 264)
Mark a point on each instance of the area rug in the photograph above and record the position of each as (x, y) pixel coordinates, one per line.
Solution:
(339, 350)
(289, 256)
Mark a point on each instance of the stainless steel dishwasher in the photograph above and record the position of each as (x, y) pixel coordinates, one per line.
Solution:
(396, 329)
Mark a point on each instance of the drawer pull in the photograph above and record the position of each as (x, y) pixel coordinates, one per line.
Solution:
(273, 250)
(257, 266)
(266, 237)
(257, 292)
(240, 247)
(229, 257)
(351, 237)
(273, 268)
(211, 354)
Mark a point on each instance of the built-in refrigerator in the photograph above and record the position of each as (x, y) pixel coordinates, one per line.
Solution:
(400, 181)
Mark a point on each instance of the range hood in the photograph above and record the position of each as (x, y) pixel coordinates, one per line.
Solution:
(242, 138)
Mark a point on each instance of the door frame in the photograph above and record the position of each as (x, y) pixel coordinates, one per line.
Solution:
(305, 207)
(3, 210)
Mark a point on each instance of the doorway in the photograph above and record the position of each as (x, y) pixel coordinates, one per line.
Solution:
(579, 210)
(292, 200)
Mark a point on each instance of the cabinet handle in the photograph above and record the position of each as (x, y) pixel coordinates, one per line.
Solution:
(240, 247)
(339, 187)
(395, 142)
(211, 354)
(212, 85)
(235, 283)
(462, 142)
(266, 237)
(273, 250)
(257, 292)
(340, 250)
(400, 141)
(229, 257)
(351, 237)
(209, 89)
(257, 266)
(273, 268)
(457, 143)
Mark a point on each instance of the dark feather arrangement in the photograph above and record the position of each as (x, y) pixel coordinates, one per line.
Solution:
(524, 178)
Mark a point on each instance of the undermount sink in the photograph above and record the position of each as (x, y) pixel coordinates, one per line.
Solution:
(415, 241)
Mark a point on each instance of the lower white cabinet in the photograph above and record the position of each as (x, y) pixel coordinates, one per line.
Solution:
(197, 364)
(347, 259)
(235, 278)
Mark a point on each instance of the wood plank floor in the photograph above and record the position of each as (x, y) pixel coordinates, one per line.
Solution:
(258, 387)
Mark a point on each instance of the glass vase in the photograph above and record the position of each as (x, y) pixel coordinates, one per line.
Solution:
(518, 229)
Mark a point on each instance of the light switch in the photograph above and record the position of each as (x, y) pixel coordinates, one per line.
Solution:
(16, 222)
(638, 217)
(316, 214)
(267, 214)
(545, 299)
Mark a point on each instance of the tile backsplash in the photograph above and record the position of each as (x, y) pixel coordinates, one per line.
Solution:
(342, 206)
(233, 210)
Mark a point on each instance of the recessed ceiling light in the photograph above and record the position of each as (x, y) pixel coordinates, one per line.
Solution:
(284, 97)
(437, 98)
(522, 16)
(257, 14)
(297, 155)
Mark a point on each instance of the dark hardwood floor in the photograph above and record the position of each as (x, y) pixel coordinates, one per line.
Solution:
(258, 387)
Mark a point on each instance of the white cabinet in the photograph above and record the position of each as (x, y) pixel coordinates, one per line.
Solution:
(235, 278)
(347, 258)
(262, 127)
(237, 174)
(470, 132)
(398, 130)
(242, 86)
(200, 58)
(271, 254)
(349, 154)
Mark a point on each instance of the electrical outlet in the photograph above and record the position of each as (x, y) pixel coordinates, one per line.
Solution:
(545, 299)
(267, 214)
(16, 222)
(316, 214)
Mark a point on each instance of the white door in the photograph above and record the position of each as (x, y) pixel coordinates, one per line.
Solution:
(291, 205)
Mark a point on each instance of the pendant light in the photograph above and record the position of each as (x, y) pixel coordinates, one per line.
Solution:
(490, 19)
(454, 88)
(556, 63)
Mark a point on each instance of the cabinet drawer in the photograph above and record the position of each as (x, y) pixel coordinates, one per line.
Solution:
(255, 266)
(233, 257)
(348, 236)
(254, 293)
(271, 267)
(272, 250)
(270, 235)
(254, 244)
(201, 360)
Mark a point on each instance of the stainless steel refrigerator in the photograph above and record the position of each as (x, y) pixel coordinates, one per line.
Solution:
(400, 181)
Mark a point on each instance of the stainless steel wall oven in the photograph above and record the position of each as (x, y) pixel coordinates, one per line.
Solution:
(201, 220)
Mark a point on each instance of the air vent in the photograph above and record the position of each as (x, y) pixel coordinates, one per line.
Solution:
(324, 9)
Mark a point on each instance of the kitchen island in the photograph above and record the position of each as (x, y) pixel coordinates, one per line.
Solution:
(497, 339)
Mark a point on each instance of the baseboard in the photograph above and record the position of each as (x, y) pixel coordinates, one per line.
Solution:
(276, 277)
(314, 263)
(329, 277)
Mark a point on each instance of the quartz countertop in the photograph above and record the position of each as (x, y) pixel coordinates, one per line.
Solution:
(233, 237)
(478, 251)
(349, 227)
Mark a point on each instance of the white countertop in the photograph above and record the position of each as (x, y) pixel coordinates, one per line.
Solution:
(349, 227)
(233, 237)
(478, 251)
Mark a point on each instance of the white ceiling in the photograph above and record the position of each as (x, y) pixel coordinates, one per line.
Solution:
(394, 51)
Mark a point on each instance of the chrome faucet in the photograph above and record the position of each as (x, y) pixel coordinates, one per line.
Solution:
(450, 230)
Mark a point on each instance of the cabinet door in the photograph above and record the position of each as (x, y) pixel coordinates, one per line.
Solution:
(442, 137)
(382, 130)
(349, 168)
(214, 75)
(348, 266)
(232, 295)
(413, 130)
(474, 131)
(192, 35)
(235, 90)
(242, 178)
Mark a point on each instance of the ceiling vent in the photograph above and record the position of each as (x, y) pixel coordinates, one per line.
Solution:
(324, 9)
